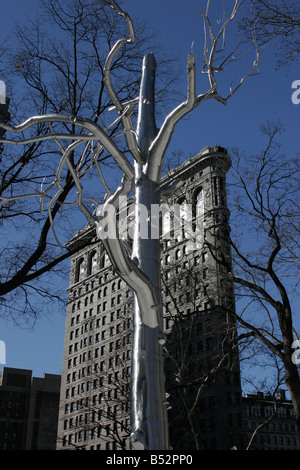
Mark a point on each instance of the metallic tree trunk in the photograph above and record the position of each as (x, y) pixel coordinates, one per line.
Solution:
(148, 411)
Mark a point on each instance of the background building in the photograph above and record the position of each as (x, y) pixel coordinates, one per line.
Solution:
(204, 393)
(28, 410)
(276, 420)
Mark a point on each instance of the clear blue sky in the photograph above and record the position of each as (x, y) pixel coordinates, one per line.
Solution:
(267, 96)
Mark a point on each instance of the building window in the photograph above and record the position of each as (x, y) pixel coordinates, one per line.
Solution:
(281, 413)
(198, 206)
(269, 412)
(92, 263)
(182, 219)
(106, 260)
(80, 270)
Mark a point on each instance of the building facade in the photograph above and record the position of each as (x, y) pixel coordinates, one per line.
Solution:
(94, 402)
(274, 420)
(28, 410)
(203, 386)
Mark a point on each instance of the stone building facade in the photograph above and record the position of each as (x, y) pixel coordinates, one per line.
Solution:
(203, 387)
(273, 418)
(198, 301)
(96, 360)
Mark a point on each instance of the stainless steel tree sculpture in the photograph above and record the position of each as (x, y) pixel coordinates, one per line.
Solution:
(140, 269)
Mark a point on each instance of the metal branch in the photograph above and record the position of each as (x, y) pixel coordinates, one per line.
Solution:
(95, 158)
(123, 265)
(126, 109)
(210, 68)
(160, 143)
(76, 178)
(96, 133)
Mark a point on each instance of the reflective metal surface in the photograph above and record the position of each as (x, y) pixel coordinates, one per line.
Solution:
(141, 272)
(148, 412)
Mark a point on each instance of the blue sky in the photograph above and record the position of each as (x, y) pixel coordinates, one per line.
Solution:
(266, 96)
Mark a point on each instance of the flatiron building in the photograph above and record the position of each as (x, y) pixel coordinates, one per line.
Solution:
(203, 385)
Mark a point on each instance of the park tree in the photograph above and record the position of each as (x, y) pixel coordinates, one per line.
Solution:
(54, 63)
(262, 262)
(264, 198)
(268, 198)
(140, 165)
(275, 22)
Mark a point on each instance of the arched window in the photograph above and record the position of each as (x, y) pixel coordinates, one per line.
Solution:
(106, 260)
(166, 222)
(93, 262)
(183, 219)
(198, 217)
(80, 270)
(198, 203)
(102, 256)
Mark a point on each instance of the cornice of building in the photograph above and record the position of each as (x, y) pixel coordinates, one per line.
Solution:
(191, 166)
(81, 237)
